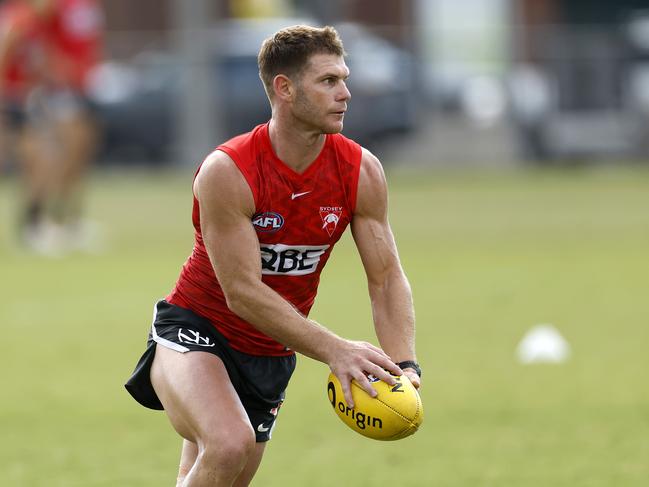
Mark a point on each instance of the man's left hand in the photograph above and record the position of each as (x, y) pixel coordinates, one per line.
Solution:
(412, 375)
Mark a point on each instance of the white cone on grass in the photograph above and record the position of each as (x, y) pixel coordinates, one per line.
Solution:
(543, 344)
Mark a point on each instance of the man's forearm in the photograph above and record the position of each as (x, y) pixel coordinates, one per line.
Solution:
(270, 313)
(394, 317)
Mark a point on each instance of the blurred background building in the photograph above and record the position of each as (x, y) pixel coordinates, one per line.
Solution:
(433, 82)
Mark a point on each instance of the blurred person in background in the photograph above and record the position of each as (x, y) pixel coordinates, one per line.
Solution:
(74, 30)
(22, 50)
(53, 45)
(269, 205)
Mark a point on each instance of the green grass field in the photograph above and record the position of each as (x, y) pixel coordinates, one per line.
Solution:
(489, 255)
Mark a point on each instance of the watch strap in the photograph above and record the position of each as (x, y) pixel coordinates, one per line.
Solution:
(410, 364)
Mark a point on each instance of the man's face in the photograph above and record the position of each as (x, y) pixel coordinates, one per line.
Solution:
(322, 95)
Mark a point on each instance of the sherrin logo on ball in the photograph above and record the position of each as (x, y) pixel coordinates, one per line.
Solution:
(395, 413)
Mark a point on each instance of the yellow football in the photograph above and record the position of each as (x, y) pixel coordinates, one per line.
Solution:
(396, 412)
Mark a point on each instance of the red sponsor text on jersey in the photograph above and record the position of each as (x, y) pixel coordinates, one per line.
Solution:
(298, 219)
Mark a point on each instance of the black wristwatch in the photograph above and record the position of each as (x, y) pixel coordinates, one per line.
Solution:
(410, 364)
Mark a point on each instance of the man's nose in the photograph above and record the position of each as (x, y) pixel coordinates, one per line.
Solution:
(344, 93)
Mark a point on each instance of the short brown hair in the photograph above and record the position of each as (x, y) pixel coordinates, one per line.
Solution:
(288, 51)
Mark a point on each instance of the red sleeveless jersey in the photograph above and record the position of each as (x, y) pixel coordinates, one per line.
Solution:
(19, 72)
(298, 219)
(75, 35)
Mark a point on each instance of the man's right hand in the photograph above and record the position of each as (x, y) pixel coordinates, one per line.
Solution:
(355, 360)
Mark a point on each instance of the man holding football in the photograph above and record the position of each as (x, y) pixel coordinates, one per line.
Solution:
(269, 206)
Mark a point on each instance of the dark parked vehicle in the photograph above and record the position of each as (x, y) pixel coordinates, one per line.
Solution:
(579, 84)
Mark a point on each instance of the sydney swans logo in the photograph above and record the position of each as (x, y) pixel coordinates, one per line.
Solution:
(330, 217)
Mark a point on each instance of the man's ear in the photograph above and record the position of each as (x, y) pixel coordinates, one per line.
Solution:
(283, 87)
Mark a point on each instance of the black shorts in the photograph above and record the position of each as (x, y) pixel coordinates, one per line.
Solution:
(260, 381)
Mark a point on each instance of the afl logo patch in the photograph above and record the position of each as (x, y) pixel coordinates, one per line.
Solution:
(268, 221)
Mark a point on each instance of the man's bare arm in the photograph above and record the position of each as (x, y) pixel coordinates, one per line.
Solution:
(226, 207)
(389, 289)
(8, 39)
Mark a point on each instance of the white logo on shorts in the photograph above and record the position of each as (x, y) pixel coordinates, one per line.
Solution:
(262, 429)
(194, 339)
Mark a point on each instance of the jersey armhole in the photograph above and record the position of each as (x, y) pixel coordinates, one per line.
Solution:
(355, 178)
(248, 176)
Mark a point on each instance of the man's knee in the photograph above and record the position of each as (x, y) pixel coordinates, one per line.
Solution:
(228, 453)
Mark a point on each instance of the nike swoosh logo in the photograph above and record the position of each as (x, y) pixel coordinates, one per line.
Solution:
(261, 428)
(297, 195)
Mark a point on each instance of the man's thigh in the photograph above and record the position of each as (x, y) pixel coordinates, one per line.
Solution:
(197, 395)
(259, 381)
